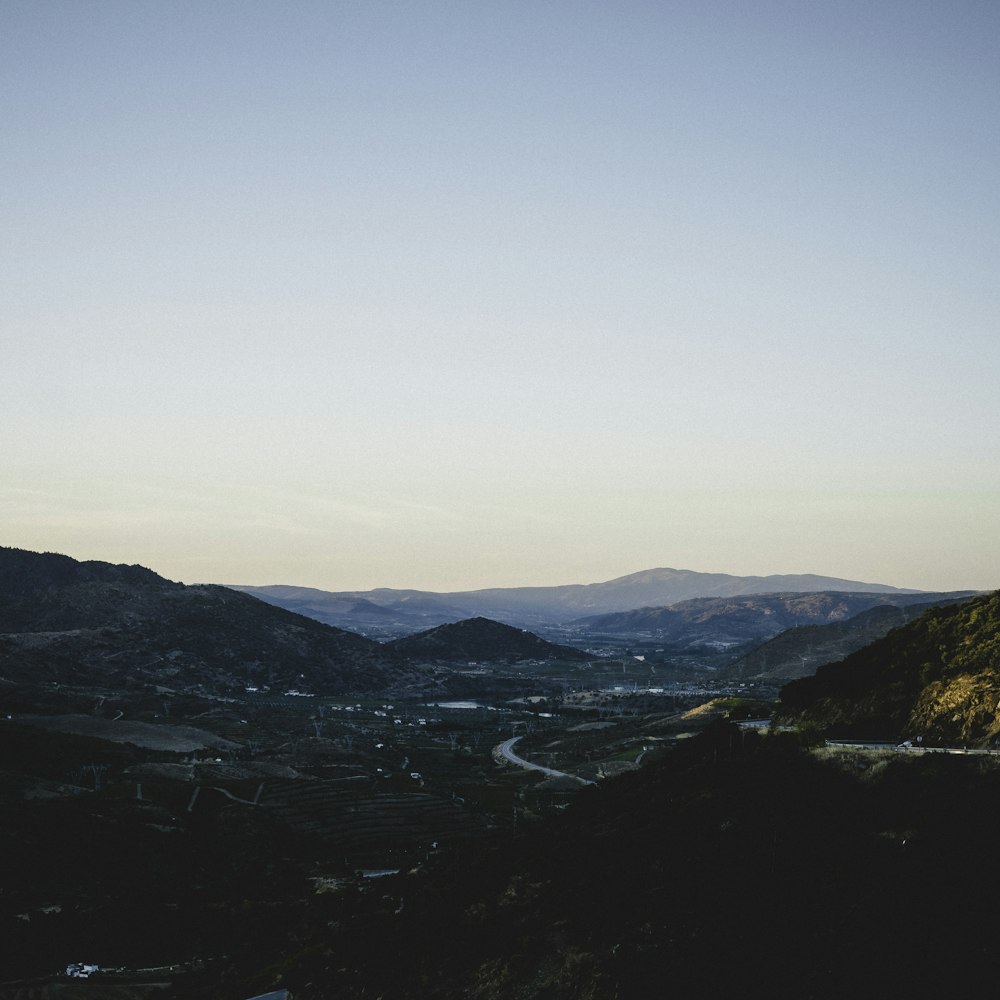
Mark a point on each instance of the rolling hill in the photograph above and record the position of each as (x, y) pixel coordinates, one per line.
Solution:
(480, 640)
(734, 621)
(797, 652)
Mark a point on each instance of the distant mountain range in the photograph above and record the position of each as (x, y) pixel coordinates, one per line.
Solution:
(100, 626)
(383, 611)
(93, 624)
(797, 652)
(753, 618)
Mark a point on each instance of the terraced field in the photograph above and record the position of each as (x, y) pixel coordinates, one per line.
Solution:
(74, 990)
(173, 739)
(366, 825)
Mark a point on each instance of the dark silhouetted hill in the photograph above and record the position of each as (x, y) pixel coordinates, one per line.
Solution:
(481, 640)
(740, 865)
(97, 624)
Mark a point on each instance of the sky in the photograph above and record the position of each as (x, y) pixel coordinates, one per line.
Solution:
(448, 295)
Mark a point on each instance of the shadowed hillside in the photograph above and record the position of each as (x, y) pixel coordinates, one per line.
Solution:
(938, 677)
(743, 618)
(481, 640)
(739, 862)
(797, 652)
(96, 624)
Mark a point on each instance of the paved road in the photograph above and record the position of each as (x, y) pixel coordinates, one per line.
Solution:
(903, 748)
(506, 750)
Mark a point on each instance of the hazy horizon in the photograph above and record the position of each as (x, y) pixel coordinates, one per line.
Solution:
(572, 582)
(578, 582)
(448, 296)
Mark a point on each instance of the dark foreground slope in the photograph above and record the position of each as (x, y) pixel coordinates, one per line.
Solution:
(938, 677)
(742, 866)
(482, 640)
(99, 625)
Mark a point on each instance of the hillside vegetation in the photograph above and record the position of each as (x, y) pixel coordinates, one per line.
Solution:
(94, 624)
(797, 652)
(937, 677)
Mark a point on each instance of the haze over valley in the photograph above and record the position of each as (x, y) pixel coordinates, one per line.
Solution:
(546, 605)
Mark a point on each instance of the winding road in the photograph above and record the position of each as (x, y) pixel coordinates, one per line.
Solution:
(506, 751)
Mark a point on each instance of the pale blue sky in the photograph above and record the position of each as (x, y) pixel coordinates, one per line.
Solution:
(466, 294)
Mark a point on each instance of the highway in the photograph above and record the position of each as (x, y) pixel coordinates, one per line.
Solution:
(506, 751)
